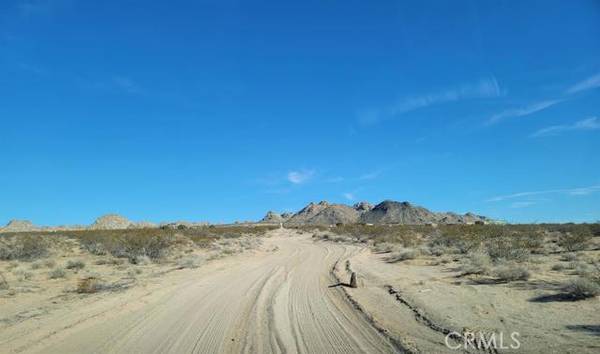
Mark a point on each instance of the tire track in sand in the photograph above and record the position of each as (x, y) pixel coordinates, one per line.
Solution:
(276, 302)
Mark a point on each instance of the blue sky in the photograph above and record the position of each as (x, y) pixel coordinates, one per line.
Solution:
(222, 110)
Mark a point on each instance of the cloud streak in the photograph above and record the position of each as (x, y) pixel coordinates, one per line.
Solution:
(587, 84)
(592, 123)
(523, 111)
(525, 204)
(300, 177)
(567, 191)
(484, 88)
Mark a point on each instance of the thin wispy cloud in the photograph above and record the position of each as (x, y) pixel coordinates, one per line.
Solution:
(300, 177)
(587, 84)
(484, 88)
(126, 84)
(336, 179)
(369, 176)
(522, 111)
(566, 191)
(592, 123)
(525, 204)
(349, 196)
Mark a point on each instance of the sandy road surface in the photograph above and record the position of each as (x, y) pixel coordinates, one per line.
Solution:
(271, 302)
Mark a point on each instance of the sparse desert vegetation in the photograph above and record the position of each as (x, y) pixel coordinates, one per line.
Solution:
(27, 259)
(480, 276)
(454, 276)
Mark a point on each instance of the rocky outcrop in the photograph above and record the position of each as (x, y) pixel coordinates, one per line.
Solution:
(19, 226)
(111, 222)
(363, 207)
(386, 212)
(324, 213)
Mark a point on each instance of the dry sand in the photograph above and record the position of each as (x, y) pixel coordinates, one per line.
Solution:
(427, 299)
(279, 299)
(268, 301)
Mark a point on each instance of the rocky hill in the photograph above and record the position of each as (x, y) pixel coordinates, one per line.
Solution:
(391, 212)
(324, 213)
(386, 212)
(19, 226)
(111, 222)
(275, 218)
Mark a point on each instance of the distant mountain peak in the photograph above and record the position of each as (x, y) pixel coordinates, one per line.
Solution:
(386, 212)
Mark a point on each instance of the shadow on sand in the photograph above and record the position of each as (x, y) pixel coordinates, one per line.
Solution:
(593, 330)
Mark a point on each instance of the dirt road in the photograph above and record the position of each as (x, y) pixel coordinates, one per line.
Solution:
(276, 301)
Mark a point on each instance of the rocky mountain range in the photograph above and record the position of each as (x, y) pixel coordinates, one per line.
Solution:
(386, 212)
(322, 213)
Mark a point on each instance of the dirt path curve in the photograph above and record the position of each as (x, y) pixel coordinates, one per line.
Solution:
(274, 302)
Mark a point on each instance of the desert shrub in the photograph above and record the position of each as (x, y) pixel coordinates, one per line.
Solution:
(22, 274)
(133, 272)
(569, 257)
(582, 288)
(511, 272)
(402, 255)
(153, 243)
(189, 262)
(558, 267)
(3, 282)
(95, 248)
(576, 238)
(508, 247)
(477, 263)
(89, 285)
(439, 250)
(57, 273)
(581, 268)
(109, 261)
(23, 247)
(140, 260)
(75, 264)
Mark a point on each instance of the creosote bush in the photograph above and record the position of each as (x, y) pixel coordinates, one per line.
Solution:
(57, 273)
(23, 247)
(75, 264)
(582, 288)
(3, 282)
(477, 263)
(89, 285)
(401, 255)
(511, 272)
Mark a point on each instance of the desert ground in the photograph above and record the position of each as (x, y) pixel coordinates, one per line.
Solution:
(286, 291)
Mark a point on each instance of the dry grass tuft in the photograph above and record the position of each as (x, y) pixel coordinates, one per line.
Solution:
(477, 263)
(511, 272)
(3, 282)
(75, 264)
(89, 285)
(401, 256)
(57, 273)
(24, 247)
(582, 288)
